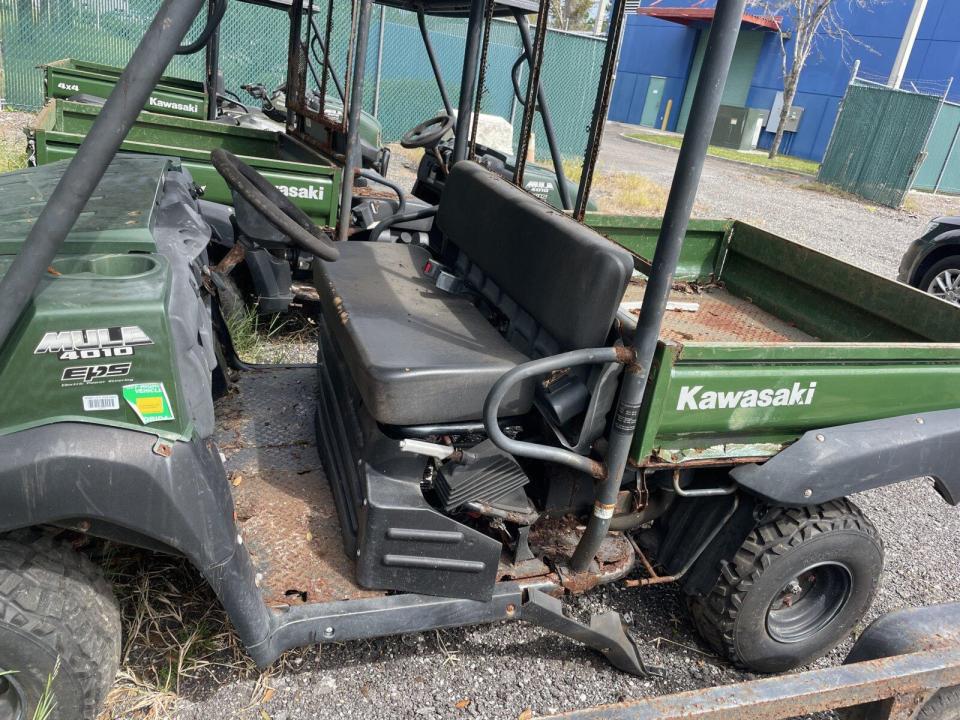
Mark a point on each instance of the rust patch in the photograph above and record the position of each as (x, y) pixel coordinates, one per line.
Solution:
(233, 258)
(555, 540)
(721, 317)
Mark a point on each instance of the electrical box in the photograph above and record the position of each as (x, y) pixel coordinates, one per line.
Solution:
(729, 129)
(793, 119)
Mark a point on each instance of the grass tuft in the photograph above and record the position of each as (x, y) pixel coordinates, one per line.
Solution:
(781, 162)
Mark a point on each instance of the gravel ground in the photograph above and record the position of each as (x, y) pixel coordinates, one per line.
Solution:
(870, 236)
(500, 671)
(504, 669)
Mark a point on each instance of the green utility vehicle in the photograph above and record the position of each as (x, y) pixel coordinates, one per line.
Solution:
(301, 173)
(83, 81)
(504, 415)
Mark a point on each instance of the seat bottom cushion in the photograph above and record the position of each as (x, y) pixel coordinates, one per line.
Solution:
(417, 354)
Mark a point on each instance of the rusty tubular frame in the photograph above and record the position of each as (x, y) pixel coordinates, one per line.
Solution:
(352, 160)
(533, 85)
(523, 28)
(600, 107)
(481, 79)
(904, 681)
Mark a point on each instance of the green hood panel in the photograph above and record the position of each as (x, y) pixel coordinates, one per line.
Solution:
(117, 332)
(117, 219)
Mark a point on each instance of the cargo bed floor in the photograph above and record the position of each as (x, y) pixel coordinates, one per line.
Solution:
(281, 496)
(719, 317)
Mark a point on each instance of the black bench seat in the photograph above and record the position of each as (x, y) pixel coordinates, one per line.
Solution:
(420, 355)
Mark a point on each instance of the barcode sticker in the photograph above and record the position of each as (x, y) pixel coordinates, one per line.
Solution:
(93, 403)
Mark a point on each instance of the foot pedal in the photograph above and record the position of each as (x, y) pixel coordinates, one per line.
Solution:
(606, 633)
(486, 474)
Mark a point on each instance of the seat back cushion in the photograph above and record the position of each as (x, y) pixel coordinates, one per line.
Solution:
(566, 276)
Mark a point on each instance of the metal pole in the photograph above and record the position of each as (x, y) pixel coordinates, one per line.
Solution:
(598, 24)
(352, 159)
(213, 65)
(294, 121)
(523, 27)
(428, 46)
(535, 62)
(379, 73)
(600, 107)
(703, 116)
(86, 169)
(468, 78)
(906, 44)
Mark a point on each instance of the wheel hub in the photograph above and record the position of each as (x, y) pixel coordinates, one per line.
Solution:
(11, 698)
(946, 285)
(809, 602)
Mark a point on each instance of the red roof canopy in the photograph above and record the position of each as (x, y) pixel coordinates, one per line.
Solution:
(690, 16)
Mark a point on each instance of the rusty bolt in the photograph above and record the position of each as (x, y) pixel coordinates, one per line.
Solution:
(163, 449)
(820, 438)
(511, 610)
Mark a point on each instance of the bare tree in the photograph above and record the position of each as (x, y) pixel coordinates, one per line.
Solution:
(571, 14)
(810, 18)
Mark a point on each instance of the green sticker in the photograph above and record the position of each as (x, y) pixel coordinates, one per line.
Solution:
(149, 401)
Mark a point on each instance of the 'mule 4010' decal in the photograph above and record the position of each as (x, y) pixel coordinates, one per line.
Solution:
(93, 344)
(696, 398)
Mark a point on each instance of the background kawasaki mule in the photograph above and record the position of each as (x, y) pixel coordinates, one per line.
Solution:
(497, 427)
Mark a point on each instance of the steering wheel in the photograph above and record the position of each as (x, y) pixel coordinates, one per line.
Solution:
(274, 205)
(428, 133)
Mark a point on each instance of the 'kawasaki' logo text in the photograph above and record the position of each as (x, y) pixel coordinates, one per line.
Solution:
(167, 105)
(695, 398)
(311, 192)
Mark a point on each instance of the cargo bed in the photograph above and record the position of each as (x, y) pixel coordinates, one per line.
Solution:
(766, 339)
(309, 179)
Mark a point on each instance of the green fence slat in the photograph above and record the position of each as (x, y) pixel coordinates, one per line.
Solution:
(878, 142)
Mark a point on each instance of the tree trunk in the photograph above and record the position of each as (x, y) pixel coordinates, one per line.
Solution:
(789, 93)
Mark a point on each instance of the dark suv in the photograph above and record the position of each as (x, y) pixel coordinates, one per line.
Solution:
(932, 262)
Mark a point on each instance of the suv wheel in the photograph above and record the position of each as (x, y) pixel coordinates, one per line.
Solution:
(942, 279)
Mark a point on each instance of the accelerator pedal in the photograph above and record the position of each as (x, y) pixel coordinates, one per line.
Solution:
(485, 474)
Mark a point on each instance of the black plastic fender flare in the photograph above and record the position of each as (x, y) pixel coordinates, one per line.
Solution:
(175, 494)
(838, 461)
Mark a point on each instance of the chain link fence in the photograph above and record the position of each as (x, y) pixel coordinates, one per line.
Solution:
(399, 82)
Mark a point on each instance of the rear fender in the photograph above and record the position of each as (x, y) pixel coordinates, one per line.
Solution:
(835, 462)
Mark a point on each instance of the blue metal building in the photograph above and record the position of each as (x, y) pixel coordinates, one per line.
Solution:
(664, 41)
